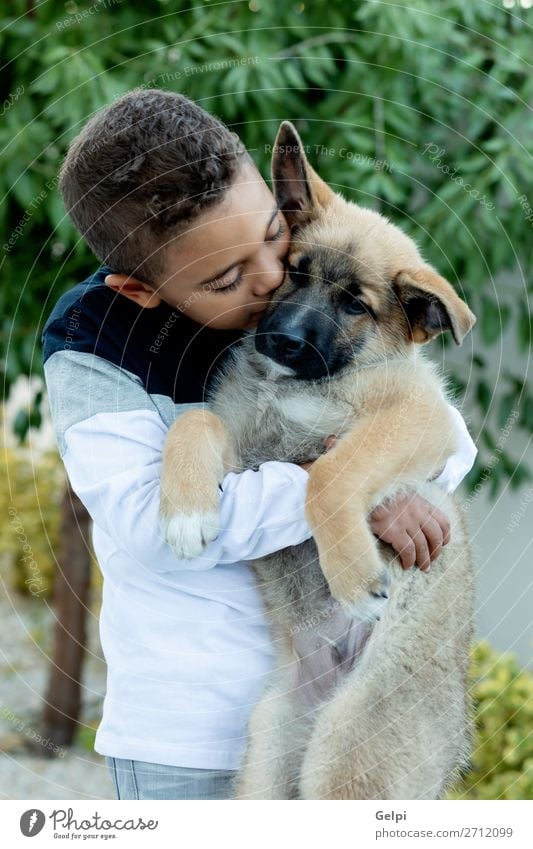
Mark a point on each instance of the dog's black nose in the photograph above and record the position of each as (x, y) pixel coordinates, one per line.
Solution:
(285, 345)
(298, 337)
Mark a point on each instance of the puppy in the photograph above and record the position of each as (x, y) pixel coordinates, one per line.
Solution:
(368, 699)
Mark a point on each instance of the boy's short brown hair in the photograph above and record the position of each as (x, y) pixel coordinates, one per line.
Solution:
(140, 171)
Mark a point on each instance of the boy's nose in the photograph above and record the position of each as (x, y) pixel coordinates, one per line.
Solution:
(265, 281)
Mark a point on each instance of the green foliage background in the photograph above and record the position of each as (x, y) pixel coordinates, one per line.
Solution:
(380, 79)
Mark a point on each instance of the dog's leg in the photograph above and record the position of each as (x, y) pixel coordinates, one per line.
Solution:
(196, 455)
(400, 727)
(379, 456)
(275, 750)
(367, 745)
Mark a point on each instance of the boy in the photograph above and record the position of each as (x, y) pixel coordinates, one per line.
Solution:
(165, 195)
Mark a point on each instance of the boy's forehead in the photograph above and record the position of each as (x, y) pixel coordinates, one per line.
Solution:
(237, 219)
(229, 227)
(246, 200)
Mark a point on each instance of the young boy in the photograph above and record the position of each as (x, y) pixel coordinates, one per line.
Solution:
(172, 203)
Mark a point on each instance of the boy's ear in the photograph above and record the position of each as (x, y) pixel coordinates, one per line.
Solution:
(137, 291)
(432, 306)
(298, 189)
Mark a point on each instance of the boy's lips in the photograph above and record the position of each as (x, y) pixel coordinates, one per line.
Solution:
(255, 317)
(261, 311)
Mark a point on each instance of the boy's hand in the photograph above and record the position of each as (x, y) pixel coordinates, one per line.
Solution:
(415, 528)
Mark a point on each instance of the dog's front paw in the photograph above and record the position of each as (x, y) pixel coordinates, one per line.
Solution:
(365, 601)
(188, 536)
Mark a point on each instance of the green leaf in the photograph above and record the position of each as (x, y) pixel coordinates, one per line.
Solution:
(506, 407)
(525, 327)
(484, 397)
(526, 414)
(493, 318)
(520, 475)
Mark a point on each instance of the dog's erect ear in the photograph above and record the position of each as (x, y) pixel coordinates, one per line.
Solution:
(298, 189)
(432, 306)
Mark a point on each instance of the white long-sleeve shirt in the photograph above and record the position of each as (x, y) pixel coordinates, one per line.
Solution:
(186, 643)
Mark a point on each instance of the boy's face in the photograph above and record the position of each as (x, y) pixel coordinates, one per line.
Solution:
(223, 271)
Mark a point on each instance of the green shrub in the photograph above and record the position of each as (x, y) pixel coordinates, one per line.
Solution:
(29, 518)
(502, 761)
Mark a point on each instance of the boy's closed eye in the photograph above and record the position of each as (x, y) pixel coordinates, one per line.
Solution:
(230, 282)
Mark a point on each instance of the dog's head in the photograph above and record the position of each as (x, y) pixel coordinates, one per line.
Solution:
(356, 291)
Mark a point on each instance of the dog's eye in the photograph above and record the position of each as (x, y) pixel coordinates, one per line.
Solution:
(298, 277)
(353, 306)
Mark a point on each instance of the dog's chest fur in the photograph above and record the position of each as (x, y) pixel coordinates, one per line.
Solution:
(274, 417)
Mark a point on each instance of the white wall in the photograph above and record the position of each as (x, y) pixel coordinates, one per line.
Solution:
(502, 530)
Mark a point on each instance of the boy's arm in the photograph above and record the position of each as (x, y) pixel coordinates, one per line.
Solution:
(460, 463)
(110, 435)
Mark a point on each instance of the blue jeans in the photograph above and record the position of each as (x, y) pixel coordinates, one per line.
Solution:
(142, 780)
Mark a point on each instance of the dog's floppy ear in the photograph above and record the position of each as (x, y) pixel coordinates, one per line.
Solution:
(298, 189)
(432, 306)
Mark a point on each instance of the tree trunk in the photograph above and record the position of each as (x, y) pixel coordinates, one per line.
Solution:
(71, 592)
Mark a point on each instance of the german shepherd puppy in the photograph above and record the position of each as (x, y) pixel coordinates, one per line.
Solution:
(369, 696)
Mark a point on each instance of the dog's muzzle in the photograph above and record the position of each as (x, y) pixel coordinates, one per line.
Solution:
(298, 337)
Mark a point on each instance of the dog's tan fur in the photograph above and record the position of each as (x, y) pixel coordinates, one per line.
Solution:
(391, 721)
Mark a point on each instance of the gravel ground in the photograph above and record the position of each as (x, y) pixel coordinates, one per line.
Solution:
(27, 769)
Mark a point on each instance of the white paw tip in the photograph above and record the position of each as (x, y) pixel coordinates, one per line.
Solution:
(189, 535)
